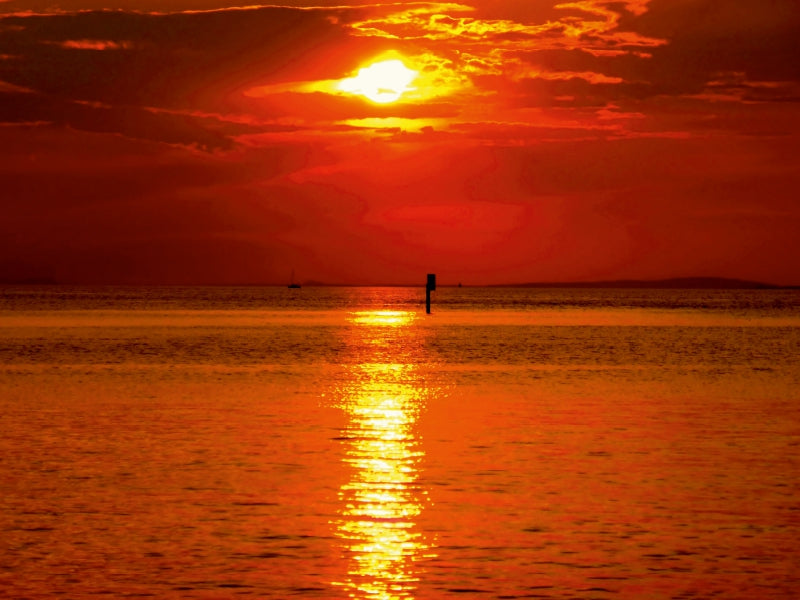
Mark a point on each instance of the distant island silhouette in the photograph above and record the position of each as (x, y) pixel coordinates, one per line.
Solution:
(698, 283)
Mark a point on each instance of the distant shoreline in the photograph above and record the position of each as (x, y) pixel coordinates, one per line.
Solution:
(694, 283)
(691, 283)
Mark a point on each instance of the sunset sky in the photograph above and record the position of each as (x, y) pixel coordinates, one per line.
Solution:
(193, 141)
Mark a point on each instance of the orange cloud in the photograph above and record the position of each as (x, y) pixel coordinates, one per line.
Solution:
(447, 23)
(96, 45)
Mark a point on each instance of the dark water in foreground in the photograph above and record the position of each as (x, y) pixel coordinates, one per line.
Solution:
(339, 443)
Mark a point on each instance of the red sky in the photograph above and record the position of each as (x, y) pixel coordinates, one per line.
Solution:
(186, 141)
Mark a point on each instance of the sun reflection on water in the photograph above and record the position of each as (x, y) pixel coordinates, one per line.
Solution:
(379, 318)
(381, 501)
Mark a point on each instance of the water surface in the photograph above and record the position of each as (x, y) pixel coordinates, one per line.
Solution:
(339, 443)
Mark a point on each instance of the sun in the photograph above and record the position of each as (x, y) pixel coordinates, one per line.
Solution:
(382, 82)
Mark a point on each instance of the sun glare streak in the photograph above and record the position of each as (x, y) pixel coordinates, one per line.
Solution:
(377, 318)
(382, 82)
(387, 79)
(380, 502)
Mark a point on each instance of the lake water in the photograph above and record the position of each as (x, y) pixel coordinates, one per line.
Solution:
(340, 443)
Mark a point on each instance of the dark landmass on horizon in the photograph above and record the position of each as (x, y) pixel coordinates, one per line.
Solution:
(691, 283)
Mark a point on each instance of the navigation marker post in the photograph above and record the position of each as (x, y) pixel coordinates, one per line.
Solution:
(429, 287)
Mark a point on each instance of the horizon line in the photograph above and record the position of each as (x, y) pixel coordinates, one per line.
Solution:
(698, 282)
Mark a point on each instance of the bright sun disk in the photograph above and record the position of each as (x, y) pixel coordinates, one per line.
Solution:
(382, 82)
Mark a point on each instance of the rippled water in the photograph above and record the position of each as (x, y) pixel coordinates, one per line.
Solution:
(339, 443)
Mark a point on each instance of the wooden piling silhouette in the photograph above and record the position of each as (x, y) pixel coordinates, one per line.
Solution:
(429, 287)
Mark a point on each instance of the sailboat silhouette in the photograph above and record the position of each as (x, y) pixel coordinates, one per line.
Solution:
(292, 285)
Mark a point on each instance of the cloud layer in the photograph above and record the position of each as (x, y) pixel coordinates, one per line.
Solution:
(198, 142)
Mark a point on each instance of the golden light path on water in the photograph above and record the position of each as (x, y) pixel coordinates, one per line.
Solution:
(382, 499)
